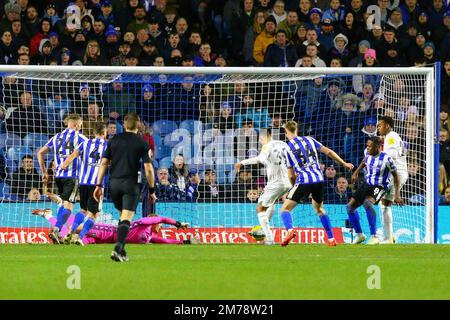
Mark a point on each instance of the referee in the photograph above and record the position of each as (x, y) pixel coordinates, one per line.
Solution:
(123, 154)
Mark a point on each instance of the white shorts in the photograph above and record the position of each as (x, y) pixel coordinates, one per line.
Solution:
(271, 194)
(390, 192)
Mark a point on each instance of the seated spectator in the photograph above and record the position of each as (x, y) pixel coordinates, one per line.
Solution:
(444, 148)
(341, 193)
(250, 36)
(192, 186)
(118, 100)
(19, 121)
(208, 189)
(112, 130)
(93, 55)
(444, 200)
(6, 48)
(34, 195)
(179, 172)
(244, 181)
(257, 113)
(429, 53)
(263, 40)
(334, 12)
(280, 53)
(139, 22)
(330, 178)
(327, 35)
(25, 179)
(205, 57)
(45, 54)
(312, 52)
(290, 24)
(226, 119)
(124, 51)
(278, 11)
(252, 195)
(149, 53)
(89, 121)
(166, 191)
(340, 49)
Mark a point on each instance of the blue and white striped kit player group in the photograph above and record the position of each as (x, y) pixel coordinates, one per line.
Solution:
(91, 152)
(85, 167)
(379, 169)
(63, 144)
(303, 158)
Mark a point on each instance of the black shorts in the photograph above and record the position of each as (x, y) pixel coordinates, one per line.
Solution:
(87, 201)
(67, 188)
(301, 192)
(125, 194)
(366, 190)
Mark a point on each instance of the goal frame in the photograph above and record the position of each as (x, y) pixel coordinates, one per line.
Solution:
(432, 103)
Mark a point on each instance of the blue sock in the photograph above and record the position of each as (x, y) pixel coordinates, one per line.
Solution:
(372, 218)
(287, 219)
(353, 216)
(79, 218)
(326, 223)
(86, 227)
(60, 218)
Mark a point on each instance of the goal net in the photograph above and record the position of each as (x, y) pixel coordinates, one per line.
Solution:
(203, 121)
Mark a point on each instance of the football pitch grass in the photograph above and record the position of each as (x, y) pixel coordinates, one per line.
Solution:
(236, 272)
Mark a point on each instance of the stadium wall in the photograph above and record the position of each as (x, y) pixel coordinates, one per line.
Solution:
(227, 232)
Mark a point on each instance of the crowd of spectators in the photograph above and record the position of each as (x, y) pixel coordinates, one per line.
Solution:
(259, 33)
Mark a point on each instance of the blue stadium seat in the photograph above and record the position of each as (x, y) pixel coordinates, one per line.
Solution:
(164, 127)
(176, 137)
(193, 126)
(161, 151)
(155, 164)
(16, 153)
(4, 190)
(8, 140)
(11, 165)
(34, 140)
(165, 162)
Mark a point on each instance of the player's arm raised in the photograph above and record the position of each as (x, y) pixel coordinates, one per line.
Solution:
(261, 158)
(40, 155)
(69, 160)
(333, 155)
(356, 173)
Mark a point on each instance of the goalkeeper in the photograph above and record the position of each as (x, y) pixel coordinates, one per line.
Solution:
(273, 157)
(142, 231)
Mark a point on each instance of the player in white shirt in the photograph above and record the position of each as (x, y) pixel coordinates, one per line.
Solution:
(273, 157)
(394, 147)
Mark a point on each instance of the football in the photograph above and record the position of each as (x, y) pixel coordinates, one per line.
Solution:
(257, 233)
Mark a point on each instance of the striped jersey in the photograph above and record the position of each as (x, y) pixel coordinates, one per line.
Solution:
(91, 152)
(63, 144)
(304, 159)
(379, 169)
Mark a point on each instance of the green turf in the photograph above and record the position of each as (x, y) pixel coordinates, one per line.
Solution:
(226, 272)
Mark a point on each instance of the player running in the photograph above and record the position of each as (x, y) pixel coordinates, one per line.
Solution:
(66, 179)
(89, 153)
(142, 231)
(379, 168)
(394, 147)
(303, 159)
(273, 157)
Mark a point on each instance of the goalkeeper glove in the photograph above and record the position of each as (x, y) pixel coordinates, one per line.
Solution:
(181, 225)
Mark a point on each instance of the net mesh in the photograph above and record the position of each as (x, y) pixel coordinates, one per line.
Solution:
(200, 126)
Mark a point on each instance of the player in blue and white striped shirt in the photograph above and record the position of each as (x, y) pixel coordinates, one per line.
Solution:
(379, 170)
(66, 179)
(308, 179)
(89, 153)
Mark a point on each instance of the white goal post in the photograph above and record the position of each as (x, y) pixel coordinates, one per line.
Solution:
(284, 92)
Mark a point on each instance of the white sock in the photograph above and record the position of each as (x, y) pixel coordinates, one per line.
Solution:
(264, 222)
(270, 212)
(387, 221)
